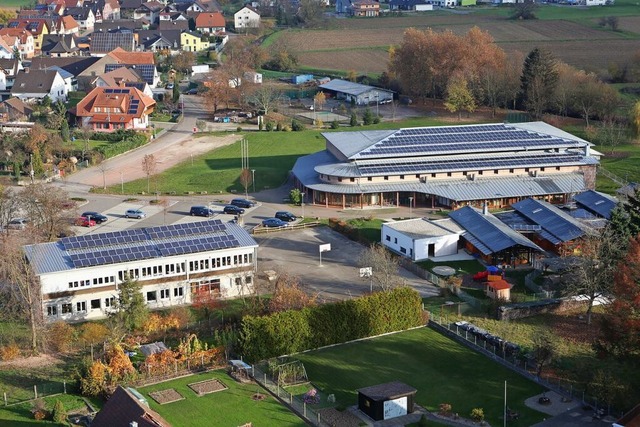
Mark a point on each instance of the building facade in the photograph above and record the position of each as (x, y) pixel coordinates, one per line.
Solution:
(447, 166)
(175, 264)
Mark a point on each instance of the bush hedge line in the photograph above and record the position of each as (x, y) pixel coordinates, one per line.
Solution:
(114, 148)
(292, 331)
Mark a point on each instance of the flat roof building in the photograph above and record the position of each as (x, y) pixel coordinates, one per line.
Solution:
(175, 264)
(447, 166)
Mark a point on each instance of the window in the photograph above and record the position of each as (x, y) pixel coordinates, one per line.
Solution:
(238, 281)
(433, 175)
(417, 175)
(108, 302)
(557, 168)
(403, 250)
(510, 170)
(479, 172)
(52, 310)
(248, 280)
(178, 292)
(541, 169)
(95, 304)
(388, 238)
(448, 173)
(395, 240)
(369, 178)
(352, 179)
(67, 308)
(495, 171)
(401, 176)
(81, 307)
(386, 178)
(152, 296)
(526, 169)
(164, 293)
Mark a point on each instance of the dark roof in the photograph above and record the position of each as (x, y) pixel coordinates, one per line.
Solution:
(146, 71)
(18, 105)
(9, 64)
(387, 391)
(122, 408)
(407, 3)
(102, 42)
(78, 13)
(180, 25)
(172, 36)
(557, 225)
(35, 81)
(488, 231)
(58, 43)
(597, 203)
(130, 4)
(75, 64)
(117, 24)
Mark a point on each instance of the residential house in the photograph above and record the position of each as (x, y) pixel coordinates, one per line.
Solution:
(106, 9)
(127, 8)
(125, 408)
(15, 110)
(7, 47)
(143, 61)
(35, 85)
(118, 25)
(192, 41)
(247, 17)
(150, 11)
(366, 8)
(212, 23)
(59, 45)
(103, 43)
(10, 68)
(73, 64)
(117, 77)
(190, 7)
(3, 82)
(417, 5)
(83, 16)
(79, 276)
(156, 40)
(70, 81)
(37, 27)
(26, 44)
(70, 25)
(179, 24)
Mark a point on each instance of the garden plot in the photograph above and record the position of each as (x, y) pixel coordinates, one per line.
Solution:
(166, 396)
(207, 386)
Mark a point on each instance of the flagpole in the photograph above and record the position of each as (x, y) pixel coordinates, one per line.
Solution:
(505, 403)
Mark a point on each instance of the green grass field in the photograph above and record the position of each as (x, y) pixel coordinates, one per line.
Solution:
(230, 407)
(442, 371)
(14, 4)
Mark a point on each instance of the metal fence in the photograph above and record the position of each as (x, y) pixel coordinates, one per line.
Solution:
(569, 390)
(15, 396)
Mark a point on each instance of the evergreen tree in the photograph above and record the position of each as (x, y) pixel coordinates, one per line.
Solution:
(538, 82)
(354, 119)
(37, 165)
(367, 117)
(64, 130)
(131, 310)
(59, 412)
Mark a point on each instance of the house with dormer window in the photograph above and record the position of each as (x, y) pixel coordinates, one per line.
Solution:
(35, 85)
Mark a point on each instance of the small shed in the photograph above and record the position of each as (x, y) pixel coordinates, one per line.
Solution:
(302, 78)
(386, 401)
(153, 348)
(498, 289)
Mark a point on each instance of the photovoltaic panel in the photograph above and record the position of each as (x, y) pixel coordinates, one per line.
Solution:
(114, 256)
(198, 245)
(188, 229)
(103, 239)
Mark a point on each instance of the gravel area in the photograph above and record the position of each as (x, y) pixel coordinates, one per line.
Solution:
(207, 386)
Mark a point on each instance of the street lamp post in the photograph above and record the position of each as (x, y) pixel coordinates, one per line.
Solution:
(121, 182)
(31, 172)
(303, 194)
(377, 104)
(253, 179)
(410, 207)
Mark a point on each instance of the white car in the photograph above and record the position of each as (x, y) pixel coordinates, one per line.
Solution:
(18, 224)
(134, 213)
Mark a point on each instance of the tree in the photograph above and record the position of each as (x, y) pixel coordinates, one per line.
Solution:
(591, 272)
(353, 121)
(620, 332)
(149, 167)
(367, 116)
(264, 97)
(60, 336)
(459, 97)
(588, 94)
(310, 12)
(6, 15)
(525, 10)
(217, 91)
(352, 75)
(48, 208)
(245, 180)
(625, 219)
(384, 266)
(611, 133)
(635, 119)
(9, 206)
(59, 414)
(319, 99)
(183, 61)
(94, 380)
(131, 310)
(93, 333)
(20, 289)
(288, 295)
(64, 131)
(295, 195)
(543, 350)
(539, 80)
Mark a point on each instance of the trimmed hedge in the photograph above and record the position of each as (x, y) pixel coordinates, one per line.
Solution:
(114, 148)
(293, 331)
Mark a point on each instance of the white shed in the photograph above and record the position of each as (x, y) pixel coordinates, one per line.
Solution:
(421, 239)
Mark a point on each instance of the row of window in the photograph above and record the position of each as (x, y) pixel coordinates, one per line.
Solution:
(152, 296)
(96, 281)
(434, 175)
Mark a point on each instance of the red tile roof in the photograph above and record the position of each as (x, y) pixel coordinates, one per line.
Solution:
(132, 58)
(210, 20)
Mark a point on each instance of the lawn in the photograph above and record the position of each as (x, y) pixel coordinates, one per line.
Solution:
(230, 407)
(14, 4)
(442, 371)
(20, 415)
(463, 267)
(623, 163)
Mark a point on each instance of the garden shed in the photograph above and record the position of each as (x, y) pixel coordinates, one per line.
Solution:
(386, 401)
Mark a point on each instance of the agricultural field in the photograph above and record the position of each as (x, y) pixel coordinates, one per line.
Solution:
(571, 34)
(14, 4)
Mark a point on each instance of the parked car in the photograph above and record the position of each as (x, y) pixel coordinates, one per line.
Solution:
(193, 91)
(274, 222)
(232, 209)
(18, 224)
(201, 211)
(170, 86)
(285, 216)
(134, 213)
(242, 203)
(84, 221)
(98, 218)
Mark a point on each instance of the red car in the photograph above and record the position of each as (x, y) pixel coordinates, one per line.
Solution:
(85, 222)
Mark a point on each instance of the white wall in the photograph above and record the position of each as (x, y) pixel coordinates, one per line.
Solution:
(443, 245)
(397, 241)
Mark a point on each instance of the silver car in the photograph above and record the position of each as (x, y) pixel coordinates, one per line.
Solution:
(134, 213)
(18, 224)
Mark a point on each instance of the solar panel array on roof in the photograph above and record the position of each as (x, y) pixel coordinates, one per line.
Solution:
(466, 165)
(146, 71)
(463, 139)
(144, 243)
(113, 90)
(13, 24)
(551, 219)
(595, 202)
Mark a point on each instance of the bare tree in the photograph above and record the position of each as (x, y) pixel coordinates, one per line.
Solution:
(20, 288)
(543, 351)
(8, 206)
(265, 97)
(104, 169)
(384, 265)
(48, 208)
(245, 180)
(612, 133)
(149, 168)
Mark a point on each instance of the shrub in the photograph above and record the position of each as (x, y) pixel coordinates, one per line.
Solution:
(239, 129)
(59, 414)
(335, 124)
(93, 333)
(60, 336)
(296, 126)
(269, 126)
(445, 409)
(477, 415)
(39, 410)
(10, 351)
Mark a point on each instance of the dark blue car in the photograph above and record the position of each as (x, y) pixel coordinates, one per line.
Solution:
(274, 222)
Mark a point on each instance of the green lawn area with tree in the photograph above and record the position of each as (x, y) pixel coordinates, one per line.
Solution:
(442, 371)
(230, 407)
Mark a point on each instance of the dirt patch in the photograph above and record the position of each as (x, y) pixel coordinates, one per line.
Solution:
(166, 396)
(333, 417)
(573, 326)
(39, 361)
(207, 386)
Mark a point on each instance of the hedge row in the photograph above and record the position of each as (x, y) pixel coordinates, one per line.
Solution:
(293, 331)
(114, 148)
